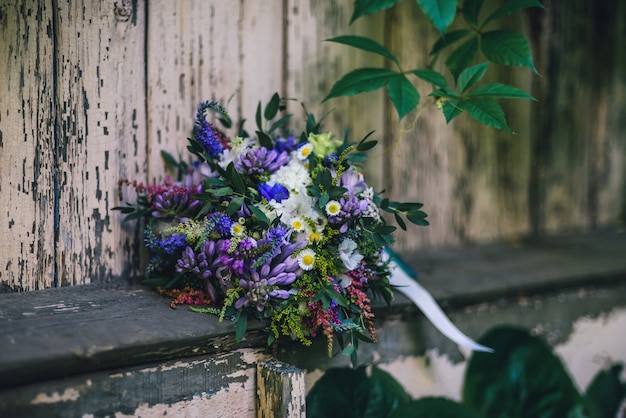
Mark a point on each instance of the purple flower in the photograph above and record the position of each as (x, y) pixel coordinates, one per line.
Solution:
(221, 223)
(260, 161)
(353, 181)
(176, 202)
(288, 144)
(202, 263)
(204, 132)
(276, 192)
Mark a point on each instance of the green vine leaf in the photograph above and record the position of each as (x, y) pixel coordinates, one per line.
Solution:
(432, 77)
(359, 81)
(471, 76)
(461, 57)
(403, 94)
(499, 91)
(471, 10)
(368, 7)
(485, 111)
(507, 47)
(448, 39)
(512, 7)
(365, 44)
(439, 12)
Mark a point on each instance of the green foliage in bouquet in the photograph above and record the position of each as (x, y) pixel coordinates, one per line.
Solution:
(273, 226)
(466, 45)
(522, 378)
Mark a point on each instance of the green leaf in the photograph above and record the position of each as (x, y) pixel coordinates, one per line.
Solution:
(433, 407)
(439, 12)
(242, 325)
(271, 109)
(259, 118)
(382, 395)
(471, 10)
(234, 205)
(366, 44)
(511, 7)
(222, 191)
(368, 7)
(366, 146)
(280, 122)
(485, 111)
(403, 94)
(169, 159)
(235, 178)
(264, 139)
(507, 47)
(333, 395)
(448, 39)
(461, 58)
(418, 218)
(471, 76)
(359, 81)
(607, 391)
(432, 77)
(499, 91)
(259, 215)
(522, 378)
(400, 221)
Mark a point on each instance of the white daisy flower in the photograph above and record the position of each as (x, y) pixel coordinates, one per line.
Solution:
(304, 151)
(237, 229)
(298, 224)
(332, 208)
(306, 259)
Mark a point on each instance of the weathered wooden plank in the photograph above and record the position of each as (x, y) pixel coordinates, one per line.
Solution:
(280, 391)
(215, 386)
(27, 124)
(472, 179)
(312, 66)
(199, 50)
(102, 129)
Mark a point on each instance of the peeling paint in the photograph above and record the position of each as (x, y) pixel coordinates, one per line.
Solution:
(69, 395)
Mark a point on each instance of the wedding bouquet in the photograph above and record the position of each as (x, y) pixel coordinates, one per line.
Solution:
(274, 226)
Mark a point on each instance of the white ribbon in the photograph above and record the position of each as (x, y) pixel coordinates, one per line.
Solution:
(405, 284)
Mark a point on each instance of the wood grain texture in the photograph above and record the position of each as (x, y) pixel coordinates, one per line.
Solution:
(280, 391)
(199, 50)
(102, 129)
(27, 141)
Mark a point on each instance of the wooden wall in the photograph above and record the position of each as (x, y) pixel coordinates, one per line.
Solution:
(92, 90)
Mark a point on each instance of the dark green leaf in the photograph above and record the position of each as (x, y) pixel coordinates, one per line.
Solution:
(326, 178)
(385, 229)
(366, 44)
(384, 204)
(366, 146)
(471, 76)
(264, 140)
(432, 77)
(499, 91)
(511, 7)
(408, 206)
(361, 80)
(448, 39)
(383, 395)
(222, 191)
(368, 7)
(272, 107)
(418, 218)
(333, 395)
(259, 118)
(169, 159)
(462, 57)
(235, 178)
(262, 218)
(336, 192)
(403, 94)
(485, 111)
(451, 109)
(315, 191)
(280, 122)
(522, 378)
(234, 205)
(439, 12)
(324, 200)
(471, 10)
(357, 157)
(507, 47)
(400, 222)
(242, 325)
(431, 407)
(607, 391)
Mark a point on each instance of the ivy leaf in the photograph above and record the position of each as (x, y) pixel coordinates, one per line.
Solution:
(507, 47)
(451, 109)
(359, 81)
(439, 12)
(403, 94)
(271, 109)
(499, 91)
(368, 7)
(366, 44)
(471, 10)
(471, 76)
(461, 57)
(432, 77)
(448, 39)
(511, 7)
(486, 111)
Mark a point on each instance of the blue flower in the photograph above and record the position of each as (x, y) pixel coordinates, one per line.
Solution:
(276, 192)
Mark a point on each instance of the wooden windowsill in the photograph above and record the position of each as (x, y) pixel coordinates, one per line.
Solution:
(60, 332)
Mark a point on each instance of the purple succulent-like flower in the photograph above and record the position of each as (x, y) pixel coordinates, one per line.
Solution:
(261, 161)
(276, 192)
(176, 202)
(202, 263)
